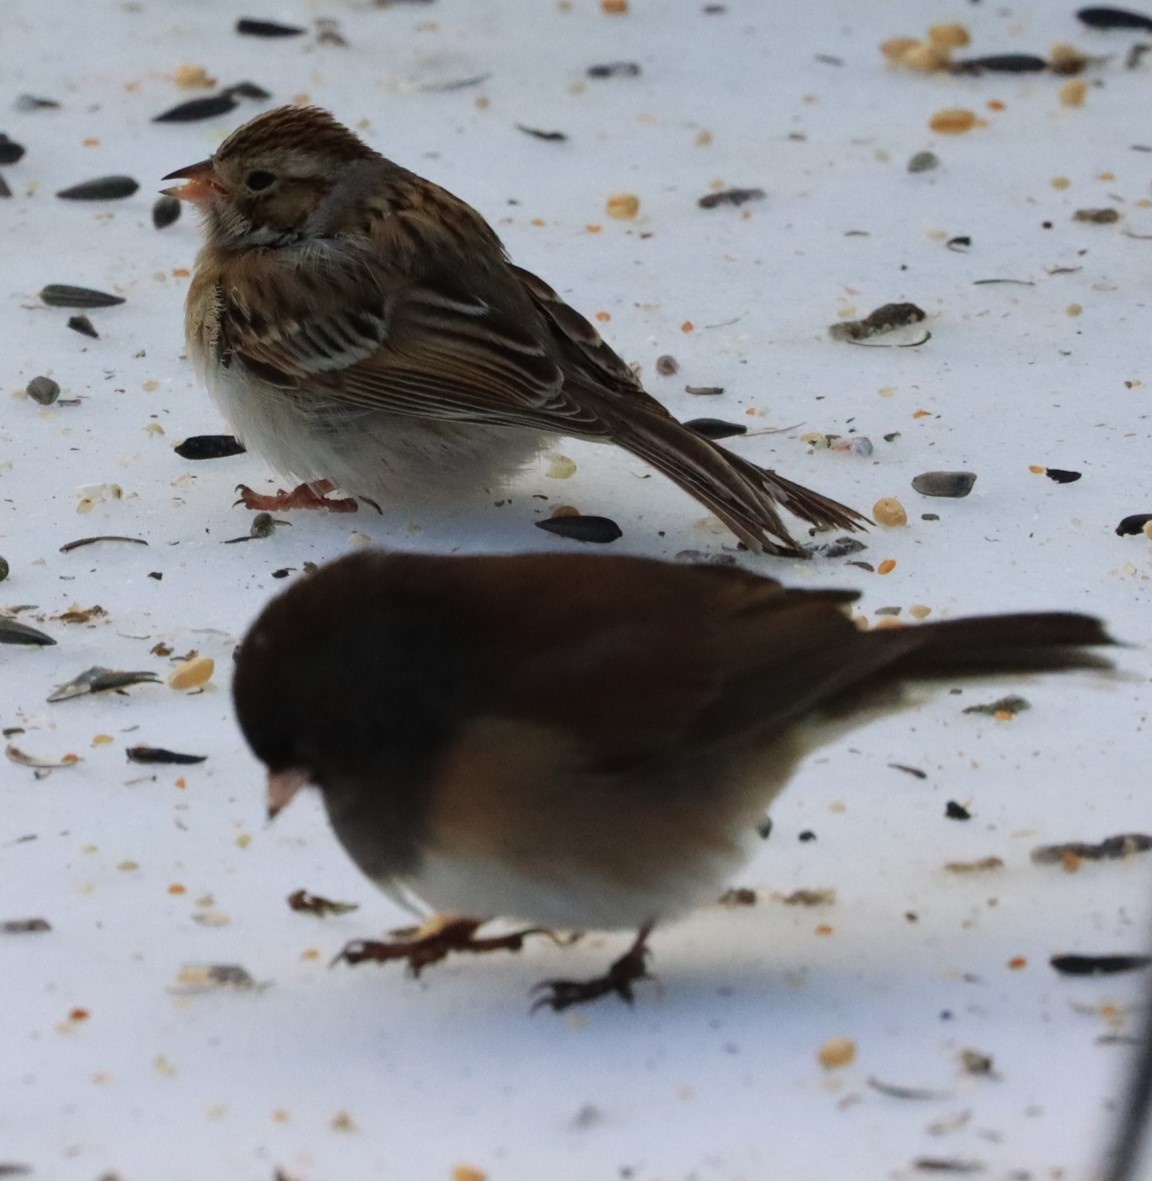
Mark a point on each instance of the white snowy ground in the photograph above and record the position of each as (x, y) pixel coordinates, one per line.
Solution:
(107, 1069)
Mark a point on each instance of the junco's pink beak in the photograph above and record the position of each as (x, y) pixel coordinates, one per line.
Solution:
(282, 786)
(201, 188)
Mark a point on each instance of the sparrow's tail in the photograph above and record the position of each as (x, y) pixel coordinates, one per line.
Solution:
(745, 497)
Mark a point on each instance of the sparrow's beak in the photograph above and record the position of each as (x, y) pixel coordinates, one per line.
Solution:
(201, 188)
(282, 786)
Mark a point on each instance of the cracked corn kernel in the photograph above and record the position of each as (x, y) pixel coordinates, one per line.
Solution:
(192, 673)
(953, 36)
(887, 566)
(837, 1052)
(622, 206)
(1073, 92)
(953, 121)
(889, 511)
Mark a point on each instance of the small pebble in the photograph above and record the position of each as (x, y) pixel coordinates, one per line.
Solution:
(43, 390)
(63, 295)
(889, 511)
(84, 326)
(104, 188)
(1134, 524)
(165, 211)
(10, 151)
(667, 365)
(598, 530)
(951, 484)
(923, 162)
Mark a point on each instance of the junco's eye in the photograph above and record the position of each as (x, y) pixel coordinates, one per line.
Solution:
(259, 179)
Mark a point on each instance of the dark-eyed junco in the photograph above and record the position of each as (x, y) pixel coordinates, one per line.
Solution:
(576, 741)
(362, 327)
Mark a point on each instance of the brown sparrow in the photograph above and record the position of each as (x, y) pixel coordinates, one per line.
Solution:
(363, 328)
(577, 741)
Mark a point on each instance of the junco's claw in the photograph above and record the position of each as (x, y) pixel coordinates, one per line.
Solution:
(421, 950)
(559, 995)
(302, 496)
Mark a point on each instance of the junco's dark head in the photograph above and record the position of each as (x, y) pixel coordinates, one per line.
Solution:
(579, 741)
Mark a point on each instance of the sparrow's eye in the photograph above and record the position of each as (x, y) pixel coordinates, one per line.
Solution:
(259, 179)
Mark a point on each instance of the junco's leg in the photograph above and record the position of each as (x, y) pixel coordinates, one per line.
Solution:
(303, 496)
(559, 995)
(432, 942)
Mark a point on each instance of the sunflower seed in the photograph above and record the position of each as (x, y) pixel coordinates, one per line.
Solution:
(716, 428)
(166, 211)
(209, 447)
(62, 295)
(5, 191)
(157, 754)
(1098, 965)
(10, 150)
(952, 484)
(599, 530)
(12, 632)
(248, 27)
(207, 107)
(103, 188)
(1060, 476)
(4, 568)
(1000, 63)
(43, 390)
(1106, 17)
(84, 326)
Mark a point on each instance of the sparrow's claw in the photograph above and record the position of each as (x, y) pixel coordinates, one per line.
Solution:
(303, 496)
(420, 950)
(559, 995)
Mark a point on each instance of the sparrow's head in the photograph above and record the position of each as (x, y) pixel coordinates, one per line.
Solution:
(270, 176)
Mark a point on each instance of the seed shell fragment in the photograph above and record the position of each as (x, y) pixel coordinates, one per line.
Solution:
(1111, 848)
(158, 754)
(10, 150)
(25, 926)
(14, 632)
(730, 197)
(81, 542)
(885, 318)
(306, 903)
(64, 295)
(84, 326)
(538, 133)
(209, 447)
(598, 530)
(103, 188)
(100, 680)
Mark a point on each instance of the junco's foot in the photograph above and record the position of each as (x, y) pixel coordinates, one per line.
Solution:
(359, 324)
(578, 742)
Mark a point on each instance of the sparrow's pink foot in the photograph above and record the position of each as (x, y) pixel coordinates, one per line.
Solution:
(632, 966)
(420, 950)
(303, 496)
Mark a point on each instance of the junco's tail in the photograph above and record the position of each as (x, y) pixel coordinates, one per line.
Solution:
(745, 497)
(993, 644)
